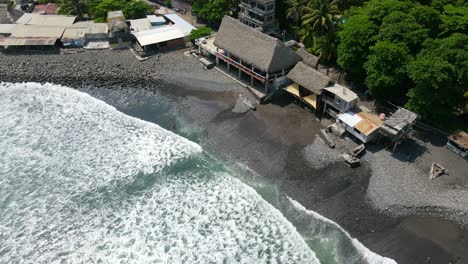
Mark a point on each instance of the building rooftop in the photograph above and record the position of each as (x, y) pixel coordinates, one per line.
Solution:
(342, 92)
(115, 14)
(309, 78)
(158, 34)
(308, 58)
(7, 28)
(140, 24)
(364, 122)
(27, 41)
(460, 138)
(183, 25)
(37, 31)
(49, 20)
(266, 53)
(400, 119)
(46, 9)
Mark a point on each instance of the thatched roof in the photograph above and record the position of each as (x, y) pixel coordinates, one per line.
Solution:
(309, 78)
(308, 58)
(9, 15)
(266, 53)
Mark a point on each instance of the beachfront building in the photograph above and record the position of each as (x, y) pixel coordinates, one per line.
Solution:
(264, 59)
(398, 125)
(257, 13)
(307, 84)
(307, 58)
(364, 125)
(119, 32)
(338, 99)
(96, 36)
(458, 143)
(36, 33)
(155, 33)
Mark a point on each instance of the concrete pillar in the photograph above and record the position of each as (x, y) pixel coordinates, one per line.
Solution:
(266, 82)
(217, 61)
(228, 64)
(251, 77)
(240, 72)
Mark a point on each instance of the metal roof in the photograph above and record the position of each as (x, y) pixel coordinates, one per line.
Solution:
(180, 23)
(36, 31)
(156, 19)
(74, 33)
(46, 20)
(349, 118)
(140, 24)
(7, 28)
(97, 28)
(342, 92)
(27, 41)
(158, 35)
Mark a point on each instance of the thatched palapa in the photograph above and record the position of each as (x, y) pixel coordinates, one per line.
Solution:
(309, 78)
(308, 58)
(266, 53)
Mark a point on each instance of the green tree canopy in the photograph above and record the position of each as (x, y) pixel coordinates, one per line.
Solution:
(321, 15)
(386, 70)
(440, 76)
(402, 27)
(355, 40)
(132, 9)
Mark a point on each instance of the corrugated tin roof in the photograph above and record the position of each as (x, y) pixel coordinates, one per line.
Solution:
(27, 41)
(46, 20)
(342, 92)
(115, 14)
(7, 28)
(81, 24)
(155, 19)
(45, 9)
(349, 118)
(97, 28)
(74, 33)
(36, 31)
(181, 23)
(158, 35)
(140, 24)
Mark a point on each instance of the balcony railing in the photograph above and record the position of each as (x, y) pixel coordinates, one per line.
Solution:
(241, 67)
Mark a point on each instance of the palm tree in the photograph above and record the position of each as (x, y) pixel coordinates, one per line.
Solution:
(295, 9)
(321, 15)
(73, 7)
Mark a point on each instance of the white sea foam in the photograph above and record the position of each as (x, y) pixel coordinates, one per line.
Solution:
(81, 182)
(332, 236)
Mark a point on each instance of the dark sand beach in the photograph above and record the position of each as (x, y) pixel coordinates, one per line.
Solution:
(278, 141)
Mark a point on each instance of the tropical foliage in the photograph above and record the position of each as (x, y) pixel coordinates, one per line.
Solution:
(199, 33)
(97, 9)
(409, 51)
(213, 11)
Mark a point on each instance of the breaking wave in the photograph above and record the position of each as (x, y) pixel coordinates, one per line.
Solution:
(82, 182)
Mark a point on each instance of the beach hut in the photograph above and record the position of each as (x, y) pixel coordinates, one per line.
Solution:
(458, 143)
(119, 32)
(363, 125)
(398, 125)
(307, 58)
(307, 84)
(338, 99)
(265, 59)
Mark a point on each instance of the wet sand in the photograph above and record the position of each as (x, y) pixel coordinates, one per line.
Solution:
(270, 141)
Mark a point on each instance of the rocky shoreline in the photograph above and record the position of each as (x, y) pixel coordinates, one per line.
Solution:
(278, 142)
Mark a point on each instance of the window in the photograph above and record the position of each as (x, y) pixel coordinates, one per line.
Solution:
(270, 7)
(260, 6)
(269, 18)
